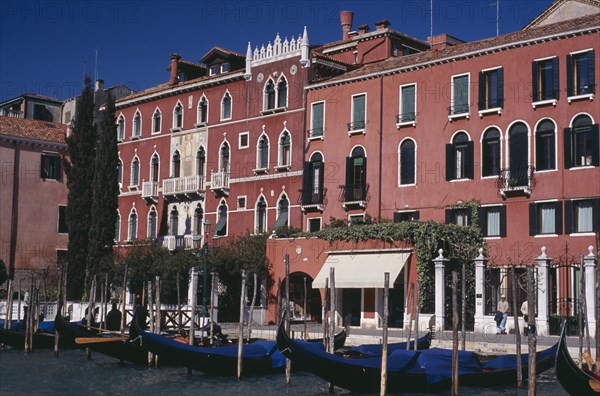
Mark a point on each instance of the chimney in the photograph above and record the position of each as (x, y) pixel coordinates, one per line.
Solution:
(99, 85)
(174, 66)
(346, 18)
(362, 29)
(383, 24)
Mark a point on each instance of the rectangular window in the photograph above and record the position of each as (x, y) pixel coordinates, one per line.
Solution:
(458, 216)
(243, 140)
(460, 95)
(400, 217)
(224, 67)
(408, 111)
(241, 202)
(356, 219)
(491, 89)
(214, 69)
(50, 167)
(492, 221)
(317, 119)
(580, 74)
(62, 219)
(581, 146)
(545, 79)
(314, 225)
(358, 113)
(582, 215)
(545, 218)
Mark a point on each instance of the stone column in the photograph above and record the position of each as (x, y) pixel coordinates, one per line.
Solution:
(440, 289)
(480, 262)
(589, 263)
(543, 300)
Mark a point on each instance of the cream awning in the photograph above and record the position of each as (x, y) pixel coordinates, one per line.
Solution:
(359, 271)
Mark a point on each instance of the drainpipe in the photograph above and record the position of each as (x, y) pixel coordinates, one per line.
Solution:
(14, 223)
(380, 147)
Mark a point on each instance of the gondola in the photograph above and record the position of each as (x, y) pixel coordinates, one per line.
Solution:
(407, 371)
(575, 381)
(376, 349)
(43, 338)
(259, 357)
(339, 339)
(113, 345)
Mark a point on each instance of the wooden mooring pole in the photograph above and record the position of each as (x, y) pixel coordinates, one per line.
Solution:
(288, 362)
(251, 307)
(304, 313)
(411, 295)
(151, 317)
(123, 298)
(463, 306)
(384, 348)
(532, 338)
(454, 333)
(513, 280)
(241, 326)
(332, 312)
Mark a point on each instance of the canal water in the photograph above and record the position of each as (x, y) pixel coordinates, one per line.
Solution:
(39, 373)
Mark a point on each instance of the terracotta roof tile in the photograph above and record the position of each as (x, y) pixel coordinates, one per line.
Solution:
(592, 21)
(33, 129)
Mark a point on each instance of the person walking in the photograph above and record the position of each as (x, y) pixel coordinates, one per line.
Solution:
(502, 314)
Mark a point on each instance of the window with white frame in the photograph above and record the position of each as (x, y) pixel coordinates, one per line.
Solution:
(408, 104)
(137, 125)
(156, 121)
(50, 166)
(226, 103)
(282, 96)
(581, 143)
(580, 73)
(491, 89)
(407, 162)
(406, 215)
(243, 140)
(492, 221)
(132, 233)
(582, 215)
(152, 223)
(545, 151)
(317, 119)
(178, 116)
(283, 215)
(154, 168)
(460, 95)
(262, 153)
(201, 162)
(135, 173)
(458, 216)
(224, 158)
(198, 219)
(261, 216)
(545, 79)
(202, 116)
(314, 224)
(269, 95)
(356, 219)
(490, 153)
(121, 128)
(174, 222)
(545, 218)
(176, 165)
(459, 158)
(221, 227)
(358, 121)
(285, 152)
(120, 172)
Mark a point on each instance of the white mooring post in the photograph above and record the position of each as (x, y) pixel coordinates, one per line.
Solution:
(480, 262)
(543, 297)
(589, 263)
(440, 289)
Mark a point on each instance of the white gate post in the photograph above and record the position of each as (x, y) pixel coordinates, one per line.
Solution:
(480, 262)
(543, 300)
(589, 263)
(440, 289)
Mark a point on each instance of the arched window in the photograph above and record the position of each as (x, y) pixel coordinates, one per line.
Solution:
(176, 165)
(121, 128)
(269, 95)
(283, 215)
(221, 227)
(117, 236)
(156, 121)
(490, 152)
(152, 223)
(581, 143)
(202, 111)
(545, 152)
(459, 158)
(312, 180)
(226, 107)
(282, 93)
(263, 153)
(137, 124)
(261, 216)
(201, 162)
(174, 222)
(518, 155)
(224, 158)
(285, 153)
(407, 162)
(154, 169)
(178, 116)
(356, 176)
(132, 235)
(135, 172)
(120, 173)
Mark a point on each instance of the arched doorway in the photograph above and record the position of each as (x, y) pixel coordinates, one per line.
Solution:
(313, 297)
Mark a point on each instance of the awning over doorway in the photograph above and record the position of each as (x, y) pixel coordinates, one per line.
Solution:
(361, 270)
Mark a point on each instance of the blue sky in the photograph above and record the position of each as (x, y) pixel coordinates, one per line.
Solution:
(45, 46)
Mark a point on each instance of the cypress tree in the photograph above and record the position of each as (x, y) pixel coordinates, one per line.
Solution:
(79, 168)
(105, 195)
